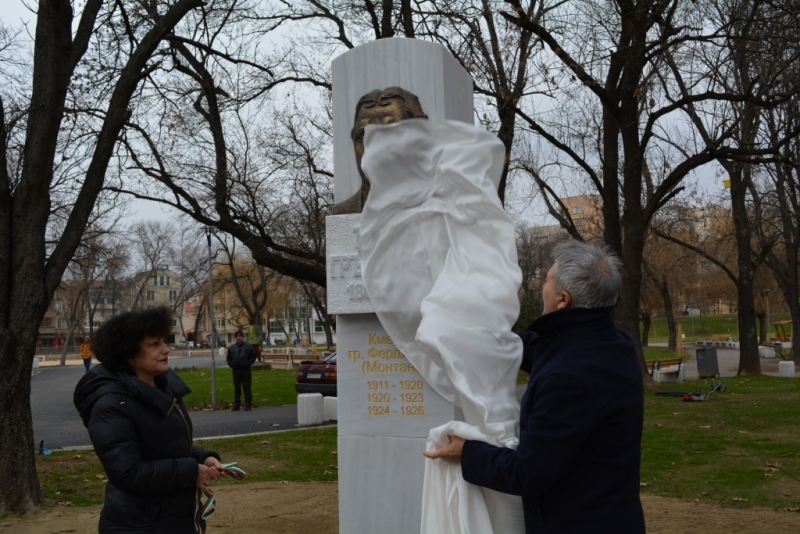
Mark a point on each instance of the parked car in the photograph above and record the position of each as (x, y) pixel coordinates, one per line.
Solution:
(317, 376)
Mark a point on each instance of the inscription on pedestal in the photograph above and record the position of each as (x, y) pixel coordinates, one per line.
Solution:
(386, 396)
(346, 292)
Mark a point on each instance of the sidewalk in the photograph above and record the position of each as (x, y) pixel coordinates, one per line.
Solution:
(728, 361)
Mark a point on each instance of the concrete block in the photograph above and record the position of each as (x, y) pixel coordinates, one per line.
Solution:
(309, 409)
(786, 369)
(329, 408)
(766, 352)
(665, 377)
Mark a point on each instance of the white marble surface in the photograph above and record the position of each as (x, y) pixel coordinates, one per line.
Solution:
(346, 292)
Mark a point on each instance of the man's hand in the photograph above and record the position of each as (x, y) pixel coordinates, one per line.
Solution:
(451, 451)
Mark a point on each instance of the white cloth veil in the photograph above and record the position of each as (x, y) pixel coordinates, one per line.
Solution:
(439, 262)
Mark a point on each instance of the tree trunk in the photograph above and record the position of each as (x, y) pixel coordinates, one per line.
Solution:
(669, 313)
(21, 490)
(763, 328)
(749, 359)
(69, 341)
(327, 326)
(646, 322)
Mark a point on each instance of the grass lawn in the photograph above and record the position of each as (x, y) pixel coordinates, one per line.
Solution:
(660, 353)
(300, 456)
(702, 327)
(271, 387)
(738, 449)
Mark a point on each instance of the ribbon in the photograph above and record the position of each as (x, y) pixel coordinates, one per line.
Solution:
(205, 502)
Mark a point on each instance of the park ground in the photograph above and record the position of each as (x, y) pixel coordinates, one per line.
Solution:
(305, 508)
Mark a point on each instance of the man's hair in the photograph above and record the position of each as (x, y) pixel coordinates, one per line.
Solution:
(117, 340)
(590, 274)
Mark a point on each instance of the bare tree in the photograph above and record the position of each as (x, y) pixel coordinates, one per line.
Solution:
(250, 282)
(152, 241)
(616, 61)
(782, 208)
(30, 270)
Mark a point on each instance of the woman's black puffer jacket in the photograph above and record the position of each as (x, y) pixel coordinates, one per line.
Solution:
(143, 437)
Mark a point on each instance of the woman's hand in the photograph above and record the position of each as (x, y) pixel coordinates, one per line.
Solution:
(212, 462)
(451, 451)
(207, 473)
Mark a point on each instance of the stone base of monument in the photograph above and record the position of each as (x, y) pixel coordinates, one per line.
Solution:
(309, 409)
(330, 409)
(786, 369)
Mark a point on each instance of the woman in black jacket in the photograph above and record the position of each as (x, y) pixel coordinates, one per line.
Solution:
(132, 406)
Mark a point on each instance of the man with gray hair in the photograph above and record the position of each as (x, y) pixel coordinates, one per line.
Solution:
(577, 464)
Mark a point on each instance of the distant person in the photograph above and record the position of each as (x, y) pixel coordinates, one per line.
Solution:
(241, 357)
(254, 336)
(140, 429)
(577, 464)
(87, 353)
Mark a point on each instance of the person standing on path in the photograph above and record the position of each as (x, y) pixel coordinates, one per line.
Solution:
(132, 405)
(240, 357)
(87, 353)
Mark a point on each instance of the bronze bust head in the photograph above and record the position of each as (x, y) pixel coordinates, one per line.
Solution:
(386, 106)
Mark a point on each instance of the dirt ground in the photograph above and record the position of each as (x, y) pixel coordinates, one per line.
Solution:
(294, 508)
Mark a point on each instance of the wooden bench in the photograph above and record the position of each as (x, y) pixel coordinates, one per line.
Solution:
(669, 367)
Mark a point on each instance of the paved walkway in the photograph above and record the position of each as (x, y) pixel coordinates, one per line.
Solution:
(57, 423)
(728, 360)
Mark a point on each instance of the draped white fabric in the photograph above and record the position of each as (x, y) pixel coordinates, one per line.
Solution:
(439, 263)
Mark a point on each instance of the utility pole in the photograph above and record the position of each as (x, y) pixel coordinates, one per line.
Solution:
(209, 230)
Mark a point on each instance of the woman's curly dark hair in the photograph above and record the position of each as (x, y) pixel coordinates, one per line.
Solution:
(117, 340)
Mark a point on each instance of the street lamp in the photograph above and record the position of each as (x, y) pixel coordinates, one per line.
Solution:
(209, 230)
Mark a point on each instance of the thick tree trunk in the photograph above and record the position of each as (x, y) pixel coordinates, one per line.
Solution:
(749, 359)
(21, 491)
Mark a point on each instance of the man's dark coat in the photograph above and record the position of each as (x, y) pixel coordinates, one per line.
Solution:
(577, 465)
(241, 357)
(143, 437)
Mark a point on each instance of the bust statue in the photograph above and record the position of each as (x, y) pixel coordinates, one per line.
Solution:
(386, 106)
